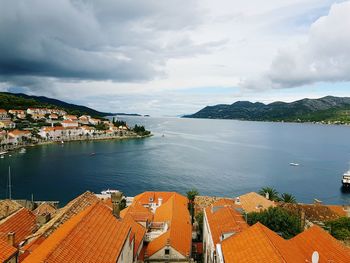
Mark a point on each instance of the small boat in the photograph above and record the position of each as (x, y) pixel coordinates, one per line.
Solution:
(346, 179)
(2, 153)
(294, 164)
(22, 150)
(62, 142)
(92, 154)
(2, 156)
(109, 191)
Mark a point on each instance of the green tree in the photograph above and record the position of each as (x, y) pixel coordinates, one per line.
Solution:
(191, 195)
(339, 228)
(278, 220)
(288, 198)
(272, 193)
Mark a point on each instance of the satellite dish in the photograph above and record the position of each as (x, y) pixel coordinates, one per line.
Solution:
(315, 257)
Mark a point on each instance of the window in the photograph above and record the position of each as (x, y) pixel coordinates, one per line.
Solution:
(167, 252)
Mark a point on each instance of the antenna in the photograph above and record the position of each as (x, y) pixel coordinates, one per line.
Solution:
(10, 190)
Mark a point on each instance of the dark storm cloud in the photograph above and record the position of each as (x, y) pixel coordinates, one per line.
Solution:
(93, 40)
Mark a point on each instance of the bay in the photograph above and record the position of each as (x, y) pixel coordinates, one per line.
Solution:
(218, 157)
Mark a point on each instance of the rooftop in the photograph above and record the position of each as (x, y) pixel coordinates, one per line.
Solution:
(253, 202)
(223, 218)
(93, 235)
(22, 223)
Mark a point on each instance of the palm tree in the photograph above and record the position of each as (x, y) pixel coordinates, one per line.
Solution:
(288, 198)
(269, 192)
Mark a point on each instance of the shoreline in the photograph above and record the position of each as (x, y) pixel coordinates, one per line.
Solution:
(125, 137)
(267, 121)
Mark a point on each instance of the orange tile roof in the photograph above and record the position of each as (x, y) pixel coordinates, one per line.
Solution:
(338, 209)
(179, 235)
(94, 235)
(317, 239)
(19, 132)
(23, 223)
(253, 202)
(6, 251)
(259, 244)
(56, 128)
(223, 218)
(138, 230)
(138, 212)
(145, 197)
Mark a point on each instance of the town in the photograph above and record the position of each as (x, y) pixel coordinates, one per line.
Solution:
(171, 227)
(19, 127)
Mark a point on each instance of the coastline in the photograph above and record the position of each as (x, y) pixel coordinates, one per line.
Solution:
(125, 137)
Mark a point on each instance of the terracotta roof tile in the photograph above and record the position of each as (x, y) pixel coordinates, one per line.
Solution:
(259, 244)
(175, 212)
(94, 235)
(145, 197)
(23, 223)
(138, 212)
(44, 208)
(317, 239)
(253, 202)
(6, 251)
(223, 218)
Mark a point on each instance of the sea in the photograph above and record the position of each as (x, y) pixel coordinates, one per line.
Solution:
(217, 157)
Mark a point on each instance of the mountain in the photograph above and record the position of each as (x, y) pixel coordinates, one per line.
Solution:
(326, 109)
(23, 101)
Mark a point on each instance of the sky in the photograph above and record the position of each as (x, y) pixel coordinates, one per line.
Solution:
(168, 58)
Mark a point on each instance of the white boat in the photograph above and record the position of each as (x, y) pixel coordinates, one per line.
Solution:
(294, 164)
(2, 156)
(346, 179)
(2, 153)
(22, 150)
(109, 191)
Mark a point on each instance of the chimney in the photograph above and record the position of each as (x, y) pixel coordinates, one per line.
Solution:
(116, 198)
(7, 210)
(160, 201)
(11, 238)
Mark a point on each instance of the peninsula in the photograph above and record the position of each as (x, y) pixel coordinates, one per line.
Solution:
(57, 122)
(327, 110)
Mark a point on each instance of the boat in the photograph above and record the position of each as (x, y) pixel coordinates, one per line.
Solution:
(2, 153)
(346, 179)
(109, 191)
(62, 142)
(22, 150)
(92, 154)
(2, 156)
(294, 164)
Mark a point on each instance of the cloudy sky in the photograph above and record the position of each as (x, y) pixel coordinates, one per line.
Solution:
(177, 56)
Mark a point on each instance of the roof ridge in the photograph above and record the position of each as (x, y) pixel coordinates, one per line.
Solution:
(262, 227)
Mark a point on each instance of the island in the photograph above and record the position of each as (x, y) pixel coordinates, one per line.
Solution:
(326, 110)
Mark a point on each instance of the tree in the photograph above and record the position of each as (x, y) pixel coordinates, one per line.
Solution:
(191, 195)
(278, 220)
(273, 195)
(288, 198)
(339, 228)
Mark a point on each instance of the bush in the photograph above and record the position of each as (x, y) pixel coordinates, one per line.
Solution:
(339, 228)
(278, 220)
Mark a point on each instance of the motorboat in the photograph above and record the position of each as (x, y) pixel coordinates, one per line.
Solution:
(109, 191)
(294, 164)
(346, 179)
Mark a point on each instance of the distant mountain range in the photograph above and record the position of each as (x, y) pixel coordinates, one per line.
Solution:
(326, 109)
(23, 101)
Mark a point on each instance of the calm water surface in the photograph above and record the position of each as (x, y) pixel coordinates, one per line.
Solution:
(218, 157)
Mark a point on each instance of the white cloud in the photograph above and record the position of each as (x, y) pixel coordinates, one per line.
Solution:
(323, 57)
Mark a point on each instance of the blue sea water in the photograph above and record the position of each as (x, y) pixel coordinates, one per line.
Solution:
(218, 157)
